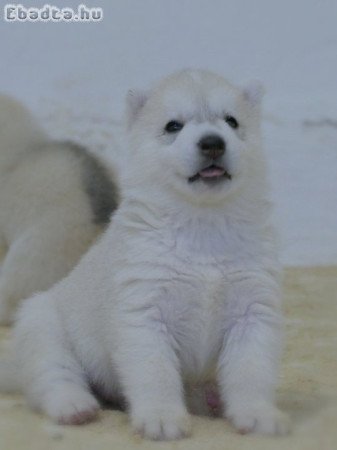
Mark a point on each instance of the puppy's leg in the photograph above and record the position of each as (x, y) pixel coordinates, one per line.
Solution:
(39, 258)
(149, 372)
(51, 377)
(248, 365)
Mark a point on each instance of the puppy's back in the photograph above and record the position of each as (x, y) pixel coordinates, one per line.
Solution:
(18, 131)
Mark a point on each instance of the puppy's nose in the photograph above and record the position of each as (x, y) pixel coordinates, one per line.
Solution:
(212, 146)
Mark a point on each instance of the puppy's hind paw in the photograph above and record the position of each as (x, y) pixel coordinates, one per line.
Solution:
(263, 419)
(71, 405)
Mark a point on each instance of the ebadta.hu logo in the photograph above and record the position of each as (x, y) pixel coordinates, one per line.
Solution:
(50, 13)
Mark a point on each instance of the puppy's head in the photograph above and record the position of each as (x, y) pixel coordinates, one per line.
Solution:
(194, 134)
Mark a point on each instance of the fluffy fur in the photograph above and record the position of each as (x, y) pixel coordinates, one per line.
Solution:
(183, 287)
(55, 198)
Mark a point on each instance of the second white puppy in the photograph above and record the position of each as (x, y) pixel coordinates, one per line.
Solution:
(183, 286)
(55, 198)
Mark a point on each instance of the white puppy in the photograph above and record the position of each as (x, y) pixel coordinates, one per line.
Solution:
(183, 286)
(55, 198)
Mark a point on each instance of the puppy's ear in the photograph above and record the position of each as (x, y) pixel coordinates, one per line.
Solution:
(135, 100)
(254, 93)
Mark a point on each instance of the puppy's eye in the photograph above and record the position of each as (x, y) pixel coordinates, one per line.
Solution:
(173, 126)
(232, 122)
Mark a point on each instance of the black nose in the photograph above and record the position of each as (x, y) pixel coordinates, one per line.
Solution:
(212, 146)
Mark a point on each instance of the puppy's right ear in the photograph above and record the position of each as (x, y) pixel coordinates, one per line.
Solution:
(135, 100)
(254, 93)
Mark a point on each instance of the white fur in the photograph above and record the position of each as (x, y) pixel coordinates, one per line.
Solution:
(181, 289)
(45, 216)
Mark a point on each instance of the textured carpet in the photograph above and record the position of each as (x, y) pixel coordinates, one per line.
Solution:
(308, 390)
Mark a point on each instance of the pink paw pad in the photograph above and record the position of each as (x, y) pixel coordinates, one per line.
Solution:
(79, 418)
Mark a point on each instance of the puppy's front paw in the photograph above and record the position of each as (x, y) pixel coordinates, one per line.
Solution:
(264, 419)
(162, 424)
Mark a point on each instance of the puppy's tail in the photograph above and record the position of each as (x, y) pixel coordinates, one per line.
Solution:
(19, 131)
(8, 376)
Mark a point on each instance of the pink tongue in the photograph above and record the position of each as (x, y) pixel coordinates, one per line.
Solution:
(211, 172)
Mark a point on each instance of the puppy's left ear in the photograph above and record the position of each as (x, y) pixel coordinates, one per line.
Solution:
(254, 93)
(135, 100)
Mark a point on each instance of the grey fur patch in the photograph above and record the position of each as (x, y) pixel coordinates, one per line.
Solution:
(102, 191)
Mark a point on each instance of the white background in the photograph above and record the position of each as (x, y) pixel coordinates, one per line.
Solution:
(75, 75)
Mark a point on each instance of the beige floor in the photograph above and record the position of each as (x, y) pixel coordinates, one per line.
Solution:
(308, 390)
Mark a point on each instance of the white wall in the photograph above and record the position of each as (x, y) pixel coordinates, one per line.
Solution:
(75, 75)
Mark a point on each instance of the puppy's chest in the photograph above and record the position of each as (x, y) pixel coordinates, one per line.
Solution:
(193, 312)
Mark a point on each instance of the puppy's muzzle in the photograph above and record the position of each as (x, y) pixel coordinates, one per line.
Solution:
(212, 146)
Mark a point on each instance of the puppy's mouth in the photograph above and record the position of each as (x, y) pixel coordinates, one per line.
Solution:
(212, 174)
